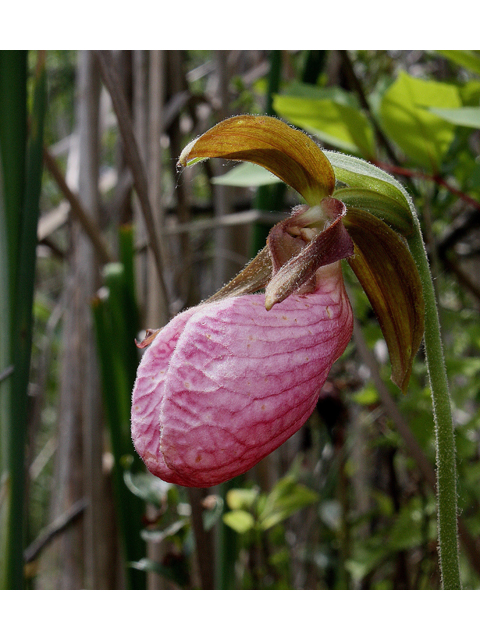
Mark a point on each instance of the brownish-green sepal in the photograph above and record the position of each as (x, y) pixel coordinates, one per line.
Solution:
(252, 278)
(387, 272)
(396, 214)
(286, 152)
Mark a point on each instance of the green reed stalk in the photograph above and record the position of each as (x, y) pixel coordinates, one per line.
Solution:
(21, 163)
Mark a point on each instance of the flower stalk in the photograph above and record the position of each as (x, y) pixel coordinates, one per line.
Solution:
(444, 434)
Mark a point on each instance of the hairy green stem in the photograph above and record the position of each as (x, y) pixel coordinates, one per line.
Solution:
(444, 434)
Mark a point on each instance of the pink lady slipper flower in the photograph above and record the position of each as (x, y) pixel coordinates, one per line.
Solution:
(227, 382)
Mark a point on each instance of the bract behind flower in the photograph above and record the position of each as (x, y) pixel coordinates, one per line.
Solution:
(226, 383)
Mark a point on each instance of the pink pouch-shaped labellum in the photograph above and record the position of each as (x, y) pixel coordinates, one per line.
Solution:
(226, 383)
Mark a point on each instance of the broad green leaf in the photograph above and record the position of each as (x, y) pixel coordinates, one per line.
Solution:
(337, 124)
(286, 498)
(246, 175)
(239, 520)
(468, 59)
(360, 174)
(286, 152)
(422, 135)
(464, 116)
(336, 94)
(21, 153)
(387, 272)
(470, 93)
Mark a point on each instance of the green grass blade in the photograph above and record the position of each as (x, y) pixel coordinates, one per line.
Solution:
(13, 135)
(21, 204)
(116, 349)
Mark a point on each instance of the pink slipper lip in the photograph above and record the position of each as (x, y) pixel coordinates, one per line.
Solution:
(226, 383)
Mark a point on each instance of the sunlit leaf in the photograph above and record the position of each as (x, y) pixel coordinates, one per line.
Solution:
(241, 498)
(464, 117)
(334, 93)
(468, 59)
(286, 498)
(239, 520)
(337, 124)
(388, 274)
(422, 135)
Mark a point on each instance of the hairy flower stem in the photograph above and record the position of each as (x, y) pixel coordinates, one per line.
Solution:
(444, 434)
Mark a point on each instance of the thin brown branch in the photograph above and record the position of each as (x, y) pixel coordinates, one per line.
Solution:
(356, 85)
(132, 154)
(89, 225)
(203, 539)
(409, 173)
(409, 439)
(54, 529)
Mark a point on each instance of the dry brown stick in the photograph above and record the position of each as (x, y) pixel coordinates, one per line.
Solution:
(132, 154)
(203, 539)
(89, 225)
(357, 86)
(54, 529)
(411, 443)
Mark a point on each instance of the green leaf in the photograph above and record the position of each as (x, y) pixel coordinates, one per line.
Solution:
(246, 175)
(335, 94)
(463, 117)
(367, 395)
(241, 498)
(286, 498)
(22, 169)
(239, 520)
(422, 135)
(338, 124)
(468, 59)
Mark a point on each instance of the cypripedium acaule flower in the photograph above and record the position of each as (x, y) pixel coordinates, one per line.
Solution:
(228, 381)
